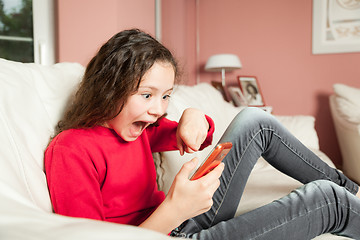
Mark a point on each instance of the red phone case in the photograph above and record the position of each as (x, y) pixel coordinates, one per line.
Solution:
(214, 159)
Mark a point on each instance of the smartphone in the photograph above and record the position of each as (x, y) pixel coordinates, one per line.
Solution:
(213, 159)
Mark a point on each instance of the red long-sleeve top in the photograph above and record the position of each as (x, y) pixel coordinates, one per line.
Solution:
(94, 173)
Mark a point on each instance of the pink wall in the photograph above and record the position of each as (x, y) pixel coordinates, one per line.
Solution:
(83, 26)
(272, 39)
(179, 35)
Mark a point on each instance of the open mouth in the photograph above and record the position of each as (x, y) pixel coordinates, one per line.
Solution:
(138, 127)
(140, 124)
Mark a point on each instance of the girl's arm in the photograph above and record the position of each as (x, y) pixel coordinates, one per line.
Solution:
(192, 130)
(186, 199)
(170, 135)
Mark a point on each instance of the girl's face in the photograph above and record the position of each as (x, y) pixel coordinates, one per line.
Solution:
(147, 104)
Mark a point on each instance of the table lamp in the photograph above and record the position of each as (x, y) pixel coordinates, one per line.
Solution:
(223, 62)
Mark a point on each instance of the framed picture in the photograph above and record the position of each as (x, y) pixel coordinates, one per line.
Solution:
(251, 91)
(220, 88)
(237, 96)
(336, 26)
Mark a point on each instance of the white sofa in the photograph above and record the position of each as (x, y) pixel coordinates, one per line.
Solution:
(32, 100)
(345, 111)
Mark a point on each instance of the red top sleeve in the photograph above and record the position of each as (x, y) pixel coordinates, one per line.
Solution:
(159, 136)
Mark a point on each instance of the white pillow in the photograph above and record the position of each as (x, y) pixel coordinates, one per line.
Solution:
(32, 99)
(347, 110)
(351, 94)
(303, 128)
(347, 102)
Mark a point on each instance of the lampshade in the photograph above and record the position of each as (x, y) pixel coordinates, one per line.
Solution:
(219, 62)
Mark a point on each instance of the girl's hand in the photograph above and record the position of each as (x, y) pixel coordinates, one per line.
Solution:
(192, 130)
(191, 198)
(185, 199)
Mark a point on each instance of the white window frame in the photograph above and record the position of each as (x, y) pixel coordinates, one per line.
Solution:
(44, 31)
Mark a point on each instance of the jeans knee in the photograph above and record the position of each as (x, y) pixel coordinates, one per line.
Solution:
(252, 111)
(249, 121)
(325, 184)
(328, 189)
(252, 115)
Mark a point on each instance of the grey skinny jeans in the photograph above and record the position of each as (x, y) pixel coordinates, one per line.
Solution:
(325, 203)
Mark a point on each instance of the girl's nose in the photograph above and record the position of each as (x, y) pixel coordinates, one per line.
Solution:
(157, 108)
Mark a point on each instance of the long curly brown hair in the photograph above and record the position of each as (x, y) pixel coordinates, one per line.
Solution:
(111, 76)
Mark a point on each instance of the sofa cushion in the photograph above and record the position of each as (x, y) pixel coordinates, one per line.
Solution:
(349, 93)
(303, 127)
(347, 102)
(32, 98)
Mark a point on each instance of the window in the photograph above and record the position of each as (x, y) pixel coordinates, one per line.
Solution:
(27, 31)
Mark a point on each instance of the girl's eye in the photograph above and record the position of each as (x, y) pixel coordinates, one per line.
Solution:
(146, 95)
(166, 97)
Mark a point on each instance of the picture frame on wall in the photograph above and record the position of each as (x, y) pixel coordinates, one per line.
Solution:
(251, 90)
(336, 25)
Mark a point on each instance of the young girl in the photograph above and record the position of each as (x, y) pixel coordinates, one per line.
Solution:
(99, 165)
